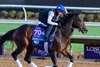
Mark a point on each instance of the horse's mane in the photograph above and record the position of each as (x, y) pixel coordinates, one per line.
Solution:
(70, 18)
(66, 19)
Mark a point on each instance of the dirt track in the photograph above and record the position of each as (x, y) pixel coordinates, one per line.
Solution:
(8, 62)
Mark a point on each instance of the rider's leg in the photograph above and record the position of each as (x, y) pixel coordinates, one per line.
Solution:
(48, 32)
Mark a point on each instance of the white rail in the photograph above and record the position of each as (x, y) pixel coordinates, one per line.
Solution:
(35, 22)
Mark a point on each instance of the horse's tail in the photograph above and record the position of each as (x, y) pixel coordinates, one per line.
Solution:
(7, 37)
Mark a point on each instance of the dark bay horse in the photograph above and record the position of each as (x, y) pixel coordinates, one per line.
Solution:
(22, 36)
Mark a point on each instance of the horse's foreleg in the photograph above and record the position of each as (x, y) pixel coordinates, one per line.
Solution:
(65, 53)
(28, 56)
(71, 59)
(69, 56)
(53, 57)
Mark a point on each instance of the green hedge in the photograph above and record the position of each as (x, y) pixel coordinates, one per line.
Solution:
(33, 14)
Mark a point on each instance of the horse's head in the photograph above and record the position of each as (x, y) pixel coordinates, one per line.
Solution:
(78, 23)
(74, 20)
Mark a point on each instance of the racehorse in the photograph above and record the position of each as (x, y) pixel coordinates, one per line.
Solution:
(22, 36)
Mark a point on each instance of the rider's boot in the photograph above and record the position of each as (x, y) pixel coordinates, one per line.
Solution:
(46, 44)
(47, 38)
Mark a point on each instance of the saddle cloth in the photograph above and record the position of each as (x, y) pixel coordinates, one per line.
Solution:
(38, 37)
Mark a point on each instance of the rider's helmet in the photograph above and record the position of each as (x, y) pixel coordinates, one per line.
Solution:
(60, 8)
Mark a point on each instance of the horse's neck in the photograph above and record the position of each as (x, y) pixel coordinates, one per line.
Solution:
(64, 33)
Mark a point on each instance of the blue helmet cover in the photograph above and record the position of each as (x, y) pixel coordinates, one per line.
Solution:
(60, 8)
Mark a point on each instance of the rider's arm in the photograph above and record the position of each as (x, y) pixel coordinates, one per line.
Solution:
(50, 16)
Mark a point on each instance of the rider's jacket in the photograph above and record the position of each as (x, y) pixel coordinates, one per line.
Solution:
(48, 17)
